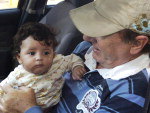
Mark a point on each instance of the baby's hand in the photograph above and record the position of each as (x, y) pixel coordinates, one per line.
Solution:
(78, 72)
(1, 92)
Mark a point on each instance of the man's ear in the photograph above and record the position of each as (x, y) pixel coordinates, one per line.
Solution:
(137, 47)
(18, 58)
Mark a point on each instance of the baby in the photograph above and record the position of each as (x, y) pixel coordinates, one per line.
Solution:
(40, 67)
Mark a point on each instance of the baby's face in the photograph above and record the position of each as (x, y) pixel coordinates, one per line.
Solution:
(35, 57)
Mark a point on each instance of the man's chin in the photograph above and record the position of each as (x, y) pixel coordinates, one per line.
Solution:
(95, 56)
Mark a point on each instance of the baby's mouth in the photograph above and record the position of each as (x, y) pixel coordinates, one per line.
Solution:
(39, 66)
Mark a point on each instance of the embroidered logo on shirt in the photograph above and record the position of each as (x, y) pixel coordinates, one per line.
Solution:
(90, 102)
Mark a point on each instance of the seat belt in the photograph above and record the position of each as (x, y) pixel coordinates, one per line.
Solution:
(32, 11)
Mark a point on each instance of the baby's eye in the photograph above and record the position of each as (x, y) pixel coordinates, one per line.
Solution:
(46, 53)
(31, 53)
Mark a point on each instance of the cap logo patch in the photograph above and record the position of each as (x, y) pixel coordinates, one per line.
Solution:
(141, 25)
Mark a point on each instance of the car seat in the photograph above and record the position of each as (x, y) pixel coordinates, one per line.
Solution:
(58, 18)
(147, 100)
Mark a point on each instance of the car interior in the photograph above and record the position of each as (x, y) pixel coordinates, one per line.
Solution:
(56, 16)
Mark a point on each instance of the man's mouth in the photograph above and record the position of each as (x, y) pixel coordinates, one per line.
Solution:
(95, 49)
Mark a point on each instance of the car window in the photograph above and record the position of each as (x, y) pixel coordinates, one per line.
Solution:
(53, 2)
(8, 4)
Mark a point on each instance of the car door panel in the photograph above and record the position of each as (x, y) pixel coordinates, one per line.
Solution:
(8, 27)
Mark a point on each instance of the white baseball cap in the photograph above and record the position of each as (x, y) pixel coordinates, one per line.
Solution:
(105, 17)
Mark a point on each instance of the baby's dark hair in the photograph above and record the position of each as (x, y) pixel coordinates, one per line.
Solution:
(38, 31)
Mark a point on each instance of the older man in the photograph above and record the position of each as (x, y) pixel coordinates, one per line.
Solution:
(118, 61)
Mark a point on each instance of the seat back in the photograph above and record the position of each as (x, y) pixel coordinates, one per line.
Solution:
(58, 17)
(147, 100)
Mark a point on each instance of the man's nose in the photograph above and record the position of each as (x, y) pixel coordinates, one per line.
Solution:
(89, 39)
(86, 38)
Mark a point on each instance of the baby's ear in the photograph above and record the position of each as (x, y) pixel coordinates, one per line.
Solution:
(18, 58)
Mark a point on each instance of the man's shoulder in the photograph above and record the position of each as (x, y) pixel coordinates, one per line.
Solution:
(81, 49)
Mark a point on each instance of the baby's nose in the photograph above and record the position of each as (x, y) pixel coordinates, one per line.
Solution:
(39, 57)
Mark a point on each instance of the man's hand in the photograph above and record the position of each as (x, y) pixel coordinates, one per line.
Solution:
(78, 72)
(16, 100)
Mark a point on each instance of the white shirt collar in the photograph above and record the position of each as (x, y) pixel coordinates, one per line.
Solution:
(89, 60)
(127, 69)
(122, 71)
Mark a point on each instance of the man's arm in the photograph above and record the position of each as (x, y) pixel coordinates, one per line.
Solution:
(34, 109)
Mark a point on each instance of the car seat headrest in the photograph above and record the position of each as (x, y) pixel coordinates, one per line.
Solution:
(78, 3)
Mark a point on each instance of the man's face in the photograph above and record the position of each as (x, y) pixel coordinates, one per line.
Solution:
(35, 57)
(110, 51)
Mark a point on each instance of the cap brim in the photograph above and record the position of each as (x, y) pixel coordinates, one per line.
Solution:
(91, 23)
